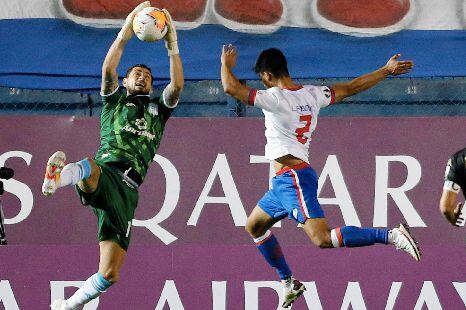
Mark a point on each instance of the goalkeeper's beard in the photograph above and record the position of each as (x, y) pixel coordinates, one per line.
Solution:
(139, 93)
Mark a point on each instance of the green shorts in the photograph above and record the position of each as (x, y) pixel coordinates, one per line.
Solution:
(114, 203)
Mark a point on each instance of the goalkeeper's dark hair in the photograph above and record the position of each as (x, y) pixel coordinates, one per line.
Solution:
(272, 60)
(139, 66)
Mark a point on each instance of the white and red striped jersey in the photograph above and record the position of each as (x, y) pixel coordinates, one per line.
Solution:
(290, 117)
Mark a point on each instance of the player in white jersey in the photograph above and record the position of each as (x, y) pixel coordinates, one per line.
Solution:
(290, 117)
(291, 112)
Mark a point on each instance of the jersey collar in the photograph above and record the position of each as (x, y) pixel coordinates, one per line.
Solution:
(294, 88)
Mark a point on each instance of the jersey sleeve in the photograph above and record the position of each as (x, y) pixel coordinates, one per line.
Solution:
(263, 99)
(450, 178)
(113, 97)
(455, 172)
(165, 101)
(325, 96)
(164, 110)
(451, 186)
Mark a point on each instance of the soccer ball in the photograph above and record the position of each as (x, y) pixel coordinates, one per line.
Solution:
(150, 24)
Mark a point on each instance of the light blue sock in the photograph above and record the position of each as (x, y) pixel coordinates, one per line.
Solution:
(93, 287)
(72, 173)
(85, 168)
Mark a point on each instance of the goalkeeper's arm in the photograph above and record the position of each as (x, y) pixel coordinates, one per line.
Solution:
(112, 59)
(173, 90)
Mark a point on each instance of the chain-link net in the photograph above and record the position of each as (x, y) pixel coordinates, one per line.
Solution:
(392, 97)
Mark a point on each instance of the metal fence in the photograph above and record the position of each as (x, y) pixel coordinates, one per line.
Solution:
(393, 97)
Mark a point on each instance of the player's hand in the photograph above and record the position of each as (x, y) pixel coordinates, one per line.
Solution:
(397, 67)
(458, 219)
(126, 31)
(171, 38)
(229, 56)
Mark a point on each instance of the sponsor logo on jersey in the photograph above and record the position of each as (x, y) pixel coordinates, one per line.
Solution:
(153, 109)
(141, 124)
(130, 104)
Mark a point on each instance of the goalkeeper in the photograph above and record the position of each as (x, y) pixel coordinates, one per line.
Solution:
(131, 130)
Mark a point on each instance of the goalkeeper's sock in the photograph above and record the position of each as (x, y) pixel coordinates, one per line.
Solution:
(92, 288)
(72, 173)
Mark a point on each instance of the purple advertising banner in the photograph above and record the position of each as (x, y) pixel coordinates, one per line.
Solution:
(189, 249)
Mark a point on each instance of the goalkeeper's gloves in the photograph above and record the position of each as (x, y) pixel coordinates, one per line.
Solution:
(171, 38)
(126, 31)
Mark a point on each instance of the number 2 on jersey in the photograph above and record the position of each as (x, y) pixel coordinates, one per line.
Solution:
(302, 130)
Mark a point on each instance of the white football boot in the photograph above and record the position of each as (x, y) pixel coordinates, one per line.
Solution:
(58, 304)
(292, 289)
(54, 166)
(403, 241)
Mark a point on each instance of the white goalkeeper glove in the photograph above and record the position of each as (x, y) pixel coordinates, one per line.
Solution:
(171, 38)
(126, 31)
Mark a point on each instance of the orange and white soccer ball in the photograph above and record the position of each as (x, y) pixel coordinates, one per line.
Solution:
(150, 24)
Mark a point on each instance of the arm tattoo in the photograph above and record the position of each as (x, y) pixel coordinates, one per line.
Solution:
(109, 84)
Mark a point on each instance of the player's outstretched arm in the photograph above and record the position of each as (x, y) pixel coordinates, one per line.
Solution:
(173, 90)
(449, 208)
(393, 67)
(109, 67)
(231, 85)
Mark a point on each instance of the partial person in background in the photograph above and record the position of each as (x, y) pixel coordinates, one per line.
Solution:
(131, 129)
(291, 113)
(455, 180)
(6, 174)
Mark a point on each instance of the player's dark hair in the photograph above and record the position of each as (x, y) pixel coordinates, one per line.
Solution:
(139, 66)
(272, 60)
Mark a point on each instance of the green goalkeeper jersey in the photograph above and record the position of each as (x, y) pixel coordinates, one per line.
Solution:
(131, 129)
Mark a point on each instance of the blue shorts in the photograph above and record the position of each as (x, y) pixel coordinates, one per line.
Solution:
(293, 193)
